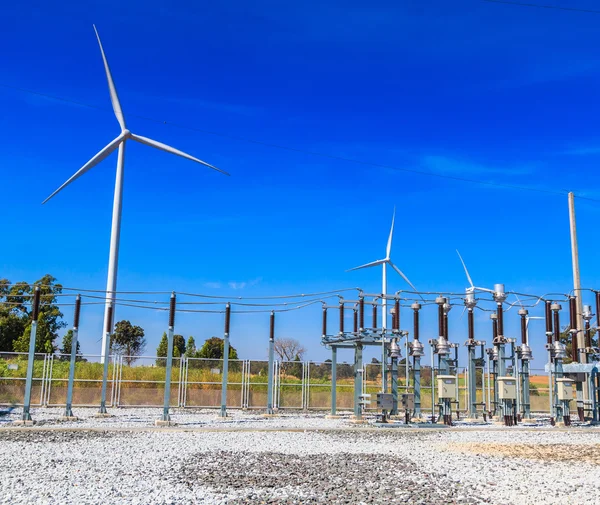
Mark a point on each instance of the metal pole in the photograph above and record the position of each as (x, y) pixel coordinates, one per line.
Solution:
(333, 380)
(68, 409)
(417, 352)
(105, 352)
(394, 354)
(271, 359)
(358, 382)
(225, 375)
(113, 257)
(35, 312)
(168, 372)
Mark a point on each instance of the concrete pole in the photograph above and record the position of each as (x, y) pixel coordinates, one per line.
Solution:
(169, 369)
(577, 278)
(225, 375)
(358, 382)
(383, 328)
(31, 357)
(113, 257)
(68, 406)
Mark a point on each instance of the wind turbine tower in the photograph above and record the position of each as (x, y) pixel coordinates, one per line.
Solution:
(384, 263)
(115, 234)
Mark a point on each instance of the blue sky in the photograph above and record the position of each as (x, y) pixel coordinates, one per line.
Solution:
(467, 89)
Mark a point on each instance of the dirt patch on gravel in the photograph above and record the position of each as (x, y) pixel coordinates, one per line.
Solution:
(544, 452)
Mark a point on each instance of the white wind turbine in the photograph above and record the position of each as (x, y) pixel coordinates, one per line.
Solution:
(384, 262)
(119, 142)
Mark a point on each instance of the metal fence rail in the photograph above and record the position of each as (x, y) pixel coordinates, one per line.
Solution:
(196, 383)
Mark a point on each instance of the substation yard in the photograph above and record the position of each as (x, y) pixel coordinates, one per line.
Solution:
(292, 458)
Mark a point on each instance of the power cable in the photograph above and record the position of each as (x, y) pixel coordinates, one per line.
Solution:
(306, 151)
(539, 6)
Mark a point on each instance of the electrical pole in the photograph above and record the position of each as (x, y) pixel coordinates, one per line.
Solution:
(576, 278)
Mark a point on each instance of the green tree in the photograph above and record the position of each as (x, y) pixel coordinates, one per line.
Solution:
(190, 348)
(163, 346)
(67, 343)
(128, 341)
(213, 349)
(50, 316)
(178, 346)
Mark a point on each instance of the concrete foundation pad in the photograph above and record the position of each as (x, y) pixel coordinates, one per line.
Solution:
(269, 415)
(68, 418)
(102, 415)
(358, 421)
(21, 422)
(333, 416)
(160, 422)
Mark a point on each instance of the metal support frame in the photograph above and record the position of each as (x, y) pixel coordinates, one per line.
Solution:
(169, 369)
(69, 402)
(271, 360)
(358, 380)
(333, 380)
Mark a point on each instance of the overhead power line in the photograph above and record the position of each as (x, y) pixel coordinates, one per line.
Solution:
(306, 151)
(539, 6)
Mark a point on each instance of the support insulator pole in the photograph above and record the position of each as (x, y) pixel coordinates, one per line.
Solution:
(524, 329)
(341, 318)
(549, 330)
(574, 329)
(361, 313)
(272, 327)
(446, 325)
(500, 313)
(494, 330)
(588, 335)
(397, 315)
(471, 323)
(374, 316)
(35, 311)
(324, 321)
(77, 312)
(441, 319)
(416, 324)
(172, 302)
(227, 317)
(556, 326)
(355, 321)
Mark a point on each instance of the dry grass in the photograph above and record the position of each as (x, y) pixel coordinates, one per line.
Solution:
(543, 452)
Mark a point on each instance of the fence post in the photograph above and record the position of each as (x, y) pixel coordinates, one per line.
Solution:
(26, 418)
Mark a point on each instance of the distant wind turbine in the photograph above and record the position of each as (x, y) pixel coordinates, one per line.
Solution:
(384, 262)
(119, 142)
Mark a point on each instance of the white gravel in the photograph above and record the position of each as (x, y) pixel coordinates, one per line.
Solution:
(208, 461)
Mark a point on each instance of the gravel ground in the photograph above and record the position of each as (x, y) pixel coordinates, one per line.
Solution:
(302, 459)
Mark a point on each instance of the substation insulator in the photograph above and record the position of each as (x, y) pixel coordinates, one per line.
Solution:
(560, 350)
(77, 312)
(397, 314)
(324, 325)
(556, 316)
(523, 328)
(272, 327)
(355, 321)
(549, 330)
(109, 317)
(416, 307)
(471, 324)
(227, 318)
(374, 316)
(597, 308)
(443, 346)
(526, 352)
(361, 313)
(341, 318)
(35, 311)
(499, 294)
(172, 303)
(500, 312)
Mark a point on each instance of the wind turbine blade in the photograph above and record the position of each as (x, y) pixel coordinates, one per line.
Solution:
(389, 244)
(367, 265)
(466, 271)
(103, 154)
(463, 312)
(402, 275)
(114, 98)
(172, 150)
